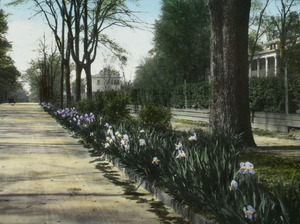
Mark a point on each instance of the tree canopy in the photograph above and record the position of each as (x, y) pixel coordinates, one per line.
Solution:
(8, 72)
(181, 46)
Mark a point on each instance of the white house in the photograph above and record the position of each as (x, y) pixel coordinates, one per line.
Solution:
(266, 62)
(106, 79)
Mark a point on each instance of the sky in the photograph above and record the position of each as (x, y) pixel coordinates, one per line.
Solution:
(25, 31)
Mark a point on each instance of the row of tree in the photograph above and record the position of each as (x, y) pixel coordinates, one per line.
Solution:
(8, 72)
(78, 27)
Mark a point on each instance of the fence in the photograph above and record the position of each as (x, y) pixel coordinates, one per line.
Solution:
(267, 121)
(276, 121)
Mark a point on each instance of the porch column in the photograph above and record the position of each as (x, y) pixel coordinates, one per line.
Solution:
(266, 64)
(275, 65)
(250, 70)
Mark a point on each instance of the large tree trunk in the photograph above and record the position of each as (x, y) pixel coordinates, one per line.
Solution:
(230, 111)
(68, 83)
(78, 82)
(62, 64)
(87, 67)
(68, 71)
(89, 92)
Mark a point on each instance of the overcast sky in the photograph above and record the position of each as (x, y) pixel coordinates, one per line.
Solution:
(25, 31)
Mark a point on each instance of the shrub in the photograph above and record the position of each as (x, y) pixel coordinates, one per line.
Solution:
(266, 94)
(85, 106)
(157, 116)
(294, 84)
(198, 95)
(111, 105)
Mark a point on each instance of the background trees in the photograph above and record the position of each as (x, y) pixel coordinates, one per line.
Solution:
(85, 23)
(181, 36)
(43, 75)
(87, 20)
(181, 52)
(8, 72)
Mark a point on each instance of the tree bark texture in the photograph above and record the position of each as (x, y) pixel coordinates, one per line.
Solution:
(78, 82)
(230, 111)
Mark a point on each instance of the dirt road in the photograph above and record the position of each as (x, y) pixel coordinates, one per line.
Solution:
(46, 176)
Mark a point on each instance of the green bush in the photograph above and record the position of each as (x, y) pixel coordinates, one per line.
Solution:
(266, 94)
(294, 88)
(111, 105)
(85, 106)
(198, 95)
(157, 116)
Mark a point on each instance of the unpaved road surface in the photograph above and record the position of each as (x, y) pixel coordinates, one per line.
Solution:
(47, 177)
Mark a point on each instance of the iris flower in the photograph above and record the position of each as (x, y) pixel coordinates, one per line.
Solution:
(155, 160)
(246, 167)
(250, 168)
(181, 154)
(106, 145)
(233, 185)
(109, 132)
(123, 142)
(179, 146)
(193, 138)
(249, 212)
(142, 142)
(106, 125)
(118, 134)
(126, 147)
(108, 139)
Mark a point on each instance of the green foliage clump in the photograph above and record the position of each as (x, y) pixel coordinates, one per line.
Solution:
(8, 72)
(157, 116)
(266, 94)
(181, 53)
(111, 105)
(197, 95)
(294, 87)
(85, 106)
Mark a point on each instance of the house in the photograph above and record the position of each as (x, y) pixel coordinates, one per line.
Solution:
(106, 79)
(265, 63)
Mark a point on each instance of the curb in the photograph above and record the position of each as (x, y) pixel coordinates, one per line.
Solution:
(167, 199)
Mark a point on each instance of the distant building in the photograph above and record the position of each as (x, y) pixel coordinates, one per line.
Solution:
(106, 79)
(266, 62)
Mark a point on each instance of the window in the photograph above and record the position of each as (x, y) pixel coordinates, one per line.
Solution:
(98, 82)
